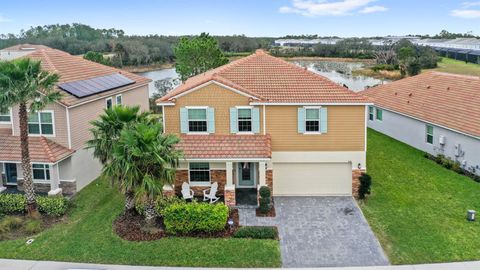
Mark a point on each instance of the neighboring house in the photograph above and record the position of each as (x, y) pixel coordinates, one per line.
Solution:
(263, 121)
(435, 112)
(59, 132)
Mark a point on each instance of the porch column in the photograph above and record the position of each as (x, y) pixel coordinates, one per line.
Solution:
(168, 190)
(262, 167)
(2, 177)
(229, 193)
(54, 181)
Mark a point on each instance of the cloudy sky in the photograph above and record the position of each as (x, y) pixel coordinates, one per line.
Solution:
(250, 17)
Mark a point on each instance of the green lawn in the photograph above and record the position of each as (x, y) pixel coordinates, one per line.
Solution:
(417, 208)
(88, 237)
(459, 67)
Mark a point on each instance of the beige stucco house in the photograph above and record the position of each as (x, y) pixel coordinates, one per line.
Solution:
(263, 121)
(57, 134)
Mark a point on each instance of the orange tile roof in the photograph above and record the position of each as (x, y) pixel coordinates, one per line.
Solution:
(41, 149)
(272, 80)
(225, 146)
(74, 68)
(444, 99)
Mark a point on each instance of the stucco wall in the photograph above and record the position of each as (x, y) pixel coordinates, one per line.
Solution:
(82, 167)
(412, 131)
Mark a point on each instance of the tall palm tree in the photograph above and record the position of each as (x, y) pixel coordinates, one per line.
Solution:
(106, 133)
(146, 160)
(23, 82)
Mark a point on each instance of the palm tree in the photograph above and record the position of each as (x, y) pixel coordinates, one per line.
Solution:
(146, 160)
(106, 133)
(23, 82)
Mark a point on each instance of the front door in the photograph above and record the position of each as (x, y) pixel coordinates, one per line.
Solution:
(11, 173)
(246, 174)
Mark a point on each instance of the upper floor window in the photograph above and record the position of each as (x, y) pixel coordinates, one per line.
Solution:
(41, 123)
(5, 117)
(370, 113)
(429, 134)
(379, 114)
(197, 120)
(109, 103)
(312, 120)
(244, 120)
(41, 172)
(118, 100)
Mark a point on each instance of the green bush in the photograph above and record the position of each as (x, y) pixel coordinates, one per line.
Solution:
(33, 226)
(447, 163)
(184, 218)
(457, 167)
(12, 203)
(265, 199)
(256, 232)
(10, 222)
(162, 203)
(52, 206)
(365, 183)
(383, 67)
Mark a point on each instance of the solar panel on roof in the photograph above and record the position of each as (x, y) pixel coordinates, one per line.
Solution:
(85, 88)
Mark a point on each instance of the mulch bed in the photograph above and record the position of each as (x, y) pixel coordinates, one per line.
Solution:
(18, 233)
(270, 213)
(130, 226)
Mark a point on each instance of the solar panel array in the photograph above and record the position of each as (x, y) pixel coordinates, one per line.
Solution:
(85, 88)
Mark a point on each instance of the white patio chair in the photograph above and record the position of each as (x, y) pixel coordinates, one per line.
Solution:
(210, 194)
(187, 193)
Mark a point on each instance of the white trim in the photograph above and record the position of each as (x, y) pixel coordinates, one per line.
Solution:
(40, 125)
(163, 119)
(308, 104)
(431, 123)
(106, 102)
(102, 97)
(319, 120)
(217, 83)
(366, 129)
(196, 107)
(69, 129)
(200, 184)
(121, 99)
(244, 107)
(206, 120)
(264, 121)
(165, 104)
(238, 120)
(11, 117)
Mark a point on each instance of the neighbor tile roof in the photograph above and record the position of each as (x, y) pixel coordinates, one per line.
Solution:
(225, 146)
(41, 149)
(444, 99)
(273, 80)
(74, 68)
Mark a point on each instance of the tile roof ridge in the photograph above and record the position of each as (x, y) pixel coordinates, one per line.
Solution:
(46, 147)
(234, 63)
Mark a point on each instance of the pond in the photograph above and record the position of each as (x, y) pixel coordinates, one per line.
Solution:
(337, 71)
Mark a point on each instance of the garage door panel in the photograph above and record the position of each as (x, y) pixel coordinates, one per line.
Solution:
(303, 179)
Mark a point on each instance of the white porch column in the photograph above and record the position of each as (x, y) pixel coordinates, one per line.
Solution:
(2, 176)
(54, 181)
(229, 168)
(262, 167)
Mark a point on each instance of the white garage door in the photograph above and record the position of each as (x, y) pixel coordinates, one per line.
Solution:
(303, 179)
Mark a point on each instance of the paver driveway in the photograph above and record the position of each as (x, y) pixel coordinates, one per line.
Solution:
(321, 231)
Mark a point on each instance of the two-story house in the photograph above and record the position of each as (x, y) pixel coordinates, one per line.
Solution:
(57, 134)
(263, 121)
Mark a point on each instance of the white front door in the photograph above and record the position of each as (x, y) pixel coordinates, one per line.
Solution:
(246, 174)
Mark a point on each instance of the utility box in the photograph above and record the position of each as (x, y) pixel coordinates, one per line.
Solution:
(442, 140)
(471, 215)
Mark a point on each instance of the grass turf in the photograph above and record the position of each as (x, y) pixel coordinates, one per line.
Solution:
(459, 67)
(417, 208)
(88, 237)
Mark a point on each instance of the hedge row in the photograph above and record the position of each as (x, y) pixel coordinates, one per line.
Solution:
(16, 203)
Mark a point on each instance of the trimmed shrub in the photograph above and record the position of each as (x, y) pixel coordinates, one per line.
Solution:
(162, 203)
(265, 199)
(12, 203)
(33, 226)
(365, 183)
(52, 206)
(185, 218)
(256, 232)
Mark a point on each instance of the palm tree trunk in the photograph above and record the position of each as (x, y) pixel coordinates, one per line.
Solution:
(129, 201)
(150, 213)
(26, 166)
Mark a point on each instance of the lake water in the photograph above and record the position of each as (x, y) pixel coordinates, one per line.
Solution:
(339, 72)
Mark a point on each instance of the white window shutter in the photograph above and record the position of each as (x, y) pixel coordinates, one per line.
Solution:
(301, 120)
(183, 120)
(323, 120)
(255, 120)
(233, 120)
(211, 120)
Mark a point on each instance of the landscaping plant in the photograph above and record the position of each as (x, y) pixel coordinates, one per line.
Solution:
(16, 203)
(257, 232)
(265, 199)
(365, 183)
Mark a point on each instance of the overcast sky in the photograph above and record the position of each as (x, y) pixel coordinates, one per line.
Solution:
(250, 17)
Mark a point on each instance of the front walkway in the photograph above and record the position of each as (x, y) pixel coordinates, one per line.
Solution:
(321, 232)
(47, 265)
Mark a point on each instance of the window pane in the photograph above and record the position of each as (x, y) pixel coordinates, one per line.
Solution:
(119, 100)
(312, 126)
(33, 118)
(429, 130)
(39, 174)
(379, 114)
(429, 138)
(38, 166)
(200, 176)
(109, 103)
(4, 118)
(34, 128)
(197, 126)
(47, 173)
(245, 126)
(47, 129)
(197, 114)
(46, 117)
(313, 114)
(200, 166)
(244, 114)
